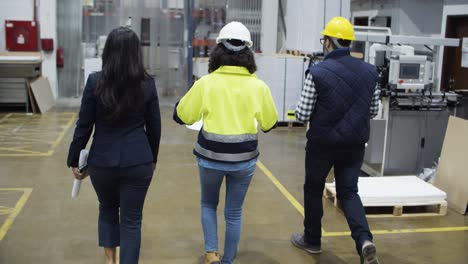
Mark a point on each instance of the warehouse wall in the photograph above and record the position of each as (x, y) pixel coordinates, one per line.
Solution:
(408, 17)
(451, 8)
(69, 32)
(305, 20)
(455, 2)
(420, 17)
(377, 8)
(269, 29)
(23, 10)
(48, 29)
(13, 10)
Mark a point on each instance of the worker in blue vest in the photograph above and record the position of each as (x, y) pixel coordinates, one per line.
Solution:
(339, 98)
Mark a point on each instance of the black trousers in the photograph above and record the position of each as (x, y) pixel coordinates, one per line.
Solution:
(121, 189)
(347, 163)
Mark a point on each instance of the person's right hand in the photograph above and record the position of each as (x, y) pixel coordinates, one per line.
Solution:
(79, 175)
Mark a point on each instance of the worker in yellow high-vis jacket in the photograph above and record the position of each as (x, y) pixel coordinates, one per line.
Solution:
(229, 99)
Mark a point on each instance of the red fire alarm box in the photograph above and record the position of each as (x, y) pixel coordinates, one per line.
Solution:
(47, 44)
(21, 35)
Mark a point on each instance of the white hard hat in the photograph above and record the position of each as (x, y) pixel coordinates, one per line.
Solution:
(235, 30)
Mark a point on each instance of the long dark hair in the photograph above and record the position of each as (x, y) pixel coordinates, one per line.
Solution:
(221, 56)
(120, 84)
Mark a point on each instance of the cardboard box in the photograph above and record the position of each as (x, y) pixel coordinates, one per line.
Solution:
(452, 176)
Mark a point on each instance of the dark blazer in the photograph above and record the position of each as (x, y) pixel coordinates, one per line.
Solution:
(131, 141)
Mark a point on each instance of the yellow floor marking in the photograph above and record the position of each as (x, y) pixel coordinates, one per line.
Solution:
(19, 150)
(300, 209)
(403, 231)
(281, 188)
(5, 117)
(64, 131)
(5, 210)
(16, 210)
(27, 155)
(32, 139)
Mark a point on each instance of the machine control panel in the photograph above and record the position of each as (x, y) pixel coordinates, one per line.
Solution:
(410, 72)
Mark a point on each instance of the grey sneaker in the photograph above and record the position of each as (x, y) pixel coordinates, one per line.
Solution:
(369, 253)
(298, 241)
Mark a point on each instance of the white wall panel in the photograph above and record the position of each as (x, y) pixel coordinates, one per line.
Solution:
(271, 70)
(269, 29)
(332, 9)
(306, 19)
(48, 29)
(346, 8)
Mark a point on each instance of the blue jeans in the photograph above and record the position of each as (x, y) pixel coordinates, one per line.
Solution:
(124, 189)
(237, 184)
(347, 163)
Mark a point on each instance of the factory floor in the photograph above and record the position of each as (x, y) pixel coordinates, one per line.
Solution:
(39, 223)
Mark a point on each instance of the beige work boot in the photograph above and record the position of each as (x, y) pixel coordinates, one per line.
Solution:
(212, 258)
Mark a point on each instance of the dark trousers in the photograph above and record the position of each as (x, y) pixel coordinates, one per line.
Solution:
(124, 189)
(347, 164)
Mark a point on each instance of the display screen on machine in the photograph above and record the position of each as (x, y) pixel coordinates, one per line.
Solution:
(409, 70)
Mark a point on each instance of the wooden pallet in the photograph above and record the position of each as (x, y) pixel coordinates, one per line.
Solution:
(298, 53)
(395, 210)
(290, 124)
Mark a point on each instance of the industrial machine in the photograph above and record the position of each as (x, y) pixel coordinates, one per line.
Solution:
(408, 134)
(410, 72)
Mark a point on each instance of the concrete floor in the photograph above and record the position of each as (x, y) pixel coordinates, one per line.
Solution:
(52, 228)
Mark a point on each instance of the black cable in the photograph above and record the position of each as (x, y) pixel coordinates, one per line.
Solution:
(281, 10)
(427, 47)
(423, 95)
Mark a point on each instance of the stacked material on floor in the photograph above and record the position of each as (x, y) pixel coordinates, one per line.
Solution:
(396, 192)
(452, 174)
(17, 70)
(28, 58)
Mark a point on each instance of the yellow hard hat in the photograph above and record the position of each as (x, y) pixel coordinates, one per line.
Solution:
(340, 28)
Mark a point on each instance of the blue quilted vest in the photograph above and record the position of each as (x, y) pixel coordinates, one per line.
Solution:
(345, 87)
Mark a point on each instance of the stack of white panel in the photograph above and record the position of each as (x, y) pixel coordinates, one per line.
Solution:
(397, 190)
(284, 75)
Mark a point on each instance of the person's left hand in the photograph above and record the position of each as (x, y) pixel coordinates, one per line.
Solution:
(79, 175)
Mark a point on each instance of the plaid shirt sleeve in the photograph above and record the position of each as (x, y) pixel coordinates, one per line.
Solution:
(374, 109)
(306, 104)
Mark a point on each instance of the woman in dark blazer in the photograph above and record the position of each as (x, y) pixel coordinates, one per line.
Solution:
(121, 103)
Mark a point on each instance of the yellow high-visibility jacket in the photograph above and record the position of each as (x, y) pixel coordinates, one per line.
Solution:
(229, 100)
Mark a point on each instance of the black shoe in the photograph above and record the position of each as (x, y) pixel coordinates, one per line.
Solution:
(298, 241)
(369, 253)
